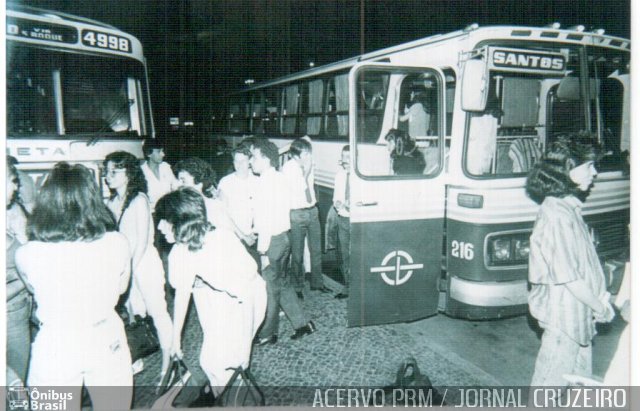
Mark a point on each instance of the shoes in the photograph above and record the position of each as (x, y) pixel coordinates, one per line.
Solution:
(322, 289)
(342, 296)
(302, 331)
(300, 295)
(266, 341)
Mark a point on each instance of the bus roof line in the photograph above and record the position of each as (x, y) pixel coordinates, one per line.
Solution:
(348, 62)
(57, 14)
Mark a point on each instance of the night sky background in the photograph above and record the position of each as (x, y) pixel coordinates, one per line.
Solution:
(200, 50)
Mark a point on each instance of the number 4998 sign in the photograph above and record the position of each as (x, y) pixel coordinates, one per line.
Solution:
(92, 38)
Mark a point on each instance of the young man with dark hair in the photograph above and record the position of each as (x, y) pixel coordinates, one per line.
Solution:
(305, 222)
(271, 223)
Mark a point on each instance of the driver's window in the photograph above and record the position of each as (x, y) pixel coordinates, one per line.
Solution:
(408, 138)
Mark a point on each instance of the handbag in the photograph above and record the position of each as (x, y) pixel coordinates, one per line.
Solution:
(240, 391)
(409, 377)
(142, 338)
(171, 385)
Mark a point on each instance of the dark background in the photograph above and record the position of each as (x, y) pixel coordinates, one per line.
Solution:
(200, 50)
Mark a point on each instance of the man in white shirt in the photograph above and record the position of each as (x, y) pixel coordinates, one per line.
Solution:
(341, 203)
(304, 216)
(271, 223)
(236, 191)
(159, 176)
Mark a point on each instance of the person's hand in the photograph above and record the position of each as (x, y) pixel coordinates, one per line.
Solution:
(176, 350)
(406, 109)
(249, 239)
(338, 205)
(264, 261)
(607, 314)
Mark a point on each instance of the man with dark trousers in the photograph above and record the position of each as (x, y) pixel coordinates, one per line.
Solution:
(305, 222)
(271, 224)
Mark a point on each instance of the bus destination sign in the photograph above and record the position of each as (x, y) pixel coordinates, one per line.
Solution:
(525, 60)
(38, 30)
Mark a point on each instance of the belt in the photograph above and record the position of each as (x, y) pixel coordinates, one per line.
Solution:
(305, 208)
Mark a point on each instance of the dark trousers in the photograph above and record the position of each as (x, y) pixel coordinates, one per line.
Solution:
(280, 292)
(344, 237)
(306, 223)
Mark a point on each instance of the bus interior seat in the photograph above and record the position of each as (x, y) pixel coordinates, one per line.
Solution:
(524, 153)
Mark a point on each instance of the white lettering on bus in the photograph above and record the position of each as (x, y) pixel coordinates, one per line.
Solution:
(526, 60)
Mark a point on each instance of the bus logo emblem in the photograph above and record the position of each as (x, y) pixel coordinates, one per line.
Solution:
(402, 266)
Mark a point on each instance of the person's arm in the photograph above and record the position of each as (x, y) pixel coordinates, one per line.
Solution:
(581, 291)
(125, 275)
(181, 279)
(136, 229)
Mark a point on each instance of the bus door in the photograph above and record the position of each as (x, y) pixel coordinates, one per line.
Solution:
(397, 199)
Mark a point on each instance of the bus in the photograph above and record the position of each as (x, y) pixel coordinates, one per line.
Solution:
(455, 237)
(76, 90)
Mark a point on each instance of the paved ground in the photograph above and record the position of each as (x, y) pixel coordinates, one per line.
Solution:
(451, 352)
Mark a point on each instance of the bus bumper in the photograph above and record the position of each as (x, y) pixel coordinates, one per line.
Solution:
(486, 300)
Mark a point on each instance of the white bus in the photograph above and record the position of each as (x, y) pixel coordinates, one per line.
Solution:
(76, 91)
(454, 237)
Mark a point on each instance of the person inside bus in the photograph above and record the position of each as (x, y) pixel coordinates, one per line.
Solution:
(406, 158)
(131, 209)
(19, 299)
(342, 206)
(305, 220)
(568, 292)
(416, 114)
(159, 176)
(228, 293)
(272, 224)
(78, 266)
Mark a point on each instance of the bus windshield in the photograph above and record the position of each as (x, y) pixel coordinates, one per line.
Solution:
(528, 109)
(51, 93)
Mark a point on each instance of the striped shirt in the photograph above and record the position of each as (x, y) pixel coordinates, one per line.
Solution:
(562, 251)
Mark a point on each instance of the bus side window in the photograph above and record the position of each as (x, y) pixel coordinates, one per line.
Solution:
(312, 107)
(337, 107)
(290, 104)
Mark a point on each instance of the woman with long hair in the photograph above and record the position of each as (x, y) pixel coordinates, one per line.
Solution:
(78, 266)
(132, 211)
(568, 293)
(214, 266)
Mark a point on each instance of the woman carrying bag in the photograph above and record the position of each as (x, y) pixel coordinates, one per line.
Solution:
(214, 266)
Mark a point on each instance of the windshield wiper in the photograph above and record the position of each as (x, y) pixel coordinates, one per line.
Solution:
(120, 111)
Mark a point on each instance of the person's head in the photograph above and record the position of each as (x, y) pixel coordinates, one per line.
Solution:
(566, 169)
(197, 173)
(345, 160)
(123, 174)
(399, 143)
(183, 217)
(153, 150)
(241, 155)
(13, 183)
(69, 207)
(300, 150)
(264, 154)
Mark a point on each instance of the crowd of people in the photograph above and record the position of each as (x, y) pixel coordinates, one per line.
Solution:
(82, 267)
(237, 248)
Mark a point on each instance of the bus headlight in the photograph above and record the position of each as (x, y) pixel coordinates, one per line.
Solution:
(500, 250)
(505, 249)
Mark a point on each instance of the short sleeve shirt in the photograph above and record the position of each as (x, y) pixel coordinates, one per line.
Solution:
(562, 251)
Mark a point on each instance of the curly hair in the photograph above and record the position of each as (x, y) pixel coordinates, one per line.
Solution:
(404, 144)
(201, 171)
(69, 207)
(137, 182)
(185, 210)
(550, 176)
(151, 144)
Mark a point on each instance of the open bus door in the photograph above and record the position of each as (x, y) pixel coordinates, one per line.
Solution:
(396, 220)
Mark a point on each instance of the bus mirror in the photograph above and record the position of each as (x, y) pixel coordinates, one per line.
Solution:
(475, 85)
